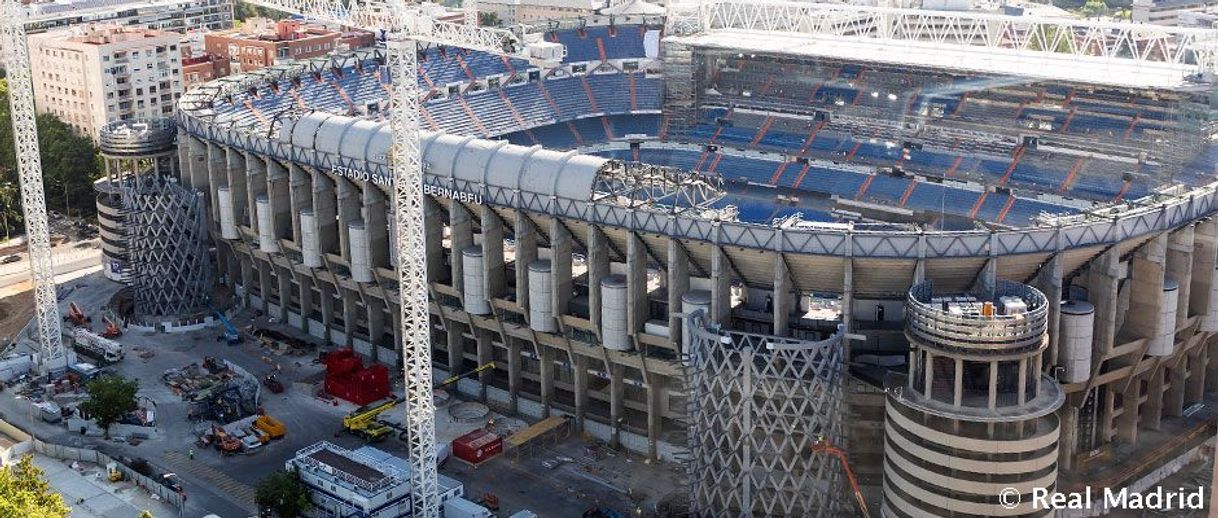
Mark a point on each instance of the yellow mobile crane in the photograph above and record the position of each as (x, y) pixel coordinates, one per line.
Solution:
(364, 421)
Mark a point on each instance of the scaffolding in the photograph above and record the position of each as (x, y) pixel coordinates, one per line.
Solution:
(170, 270)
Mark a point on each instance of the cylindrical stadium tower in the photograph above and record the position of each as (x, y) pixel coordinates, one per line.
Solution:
(971, 430)
(131, 150)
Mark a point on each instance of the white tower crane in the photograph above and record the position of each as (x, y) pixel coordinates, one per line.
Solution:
(33, 199)
(408, 24)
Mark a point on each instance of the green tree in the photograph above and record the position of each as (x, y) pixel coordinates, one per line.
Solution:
(283, 493)
(69, 166)
(110, 398)
(10, 207)
(24, 491)
(145, 514)
(243, 11)
(488, 19)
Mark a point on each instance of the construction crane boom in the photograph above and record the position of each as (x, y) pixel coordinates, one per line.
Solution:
(53, 358)
(406, 25)
(823, 446)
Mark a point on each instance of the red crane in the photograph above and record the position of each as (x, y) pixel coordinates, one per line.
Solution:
(822, 446)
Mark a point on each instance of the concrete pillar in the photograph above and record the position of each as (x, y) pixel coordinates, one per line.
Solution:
(461, 236)
(782, 296)
(493, 269)
(278, 186)
(325, 209)
(264, 285)
(1205, 255)
(376, 326)
(547, 379)
(848, 300)
(637, 305)
(433, 239)
(1049, 281)
(581, 390)
(235, 165)
(483, 340)
(284, 278)
(327, 308)
(1143, 318)
(300, 190)
(526, 252)
(678, 284)
(1152, 410)
(655, 414)
(1211, 365)
(349, 198)
(1194, 391)
(1127, 423)
(255, 182)
(306, 301)
(598, 268)
(617, 390)
(514, 378)
(560, 267)
(198, 165)
(721, 286)
(375, 212)
(245, 268)
(350, 315)
(217, 175)
(1179, 264)
(1173, 399)
(1103, 280)
(1068, 441)
(456, 348)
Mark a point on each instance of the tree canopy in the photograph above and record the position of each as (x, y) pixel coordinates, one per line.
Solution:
(24, 491)
(69, 166)
(244, 10)
(283, 493)
(110, 398)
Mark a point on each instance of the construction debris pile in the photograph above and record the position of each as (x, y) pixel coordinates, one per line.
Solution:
(282, 343)
(218, 390)
(244, 435)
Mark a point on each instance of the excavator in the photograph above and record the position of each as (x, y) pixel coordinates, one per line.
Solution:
(112, 330)
(77, 316)
(822, 446)
(364, 421)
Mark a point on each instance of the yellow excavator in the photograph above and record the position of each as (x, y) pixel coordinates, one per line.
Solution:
(364, 421)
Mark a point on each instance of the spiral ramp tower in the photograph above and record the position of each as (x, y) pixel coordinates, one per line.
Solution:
(153, 229)
(974, 417)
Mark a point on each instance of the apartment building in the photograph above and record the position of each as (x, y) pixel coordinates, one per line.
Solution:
(91, 75)
(526, 11)
(260, 42)
(165, 15)
(1169, 12)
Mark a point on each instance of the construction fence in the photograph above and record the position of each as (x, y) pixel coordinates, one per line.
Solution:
(101, 459)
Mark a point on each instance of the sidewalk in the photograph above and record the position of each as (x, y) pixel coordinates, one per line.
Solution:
(91, 495)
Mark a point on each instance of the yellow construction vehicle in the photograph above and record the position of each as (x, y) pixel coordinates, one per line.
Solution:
(273, 427)
(453, 379)
(112, 472)
(364, 423)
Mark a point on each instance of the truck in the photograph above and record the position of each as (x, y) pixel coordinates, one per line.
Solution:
(103, 350)
(273, 427)
(363, 422)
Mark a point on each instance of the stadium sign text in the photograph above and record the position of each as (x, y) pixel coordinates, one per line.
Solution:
(445, 192)
(386, 180)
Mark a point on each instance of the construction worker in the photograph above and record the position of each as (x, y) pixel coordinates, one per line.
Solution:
(191, 453)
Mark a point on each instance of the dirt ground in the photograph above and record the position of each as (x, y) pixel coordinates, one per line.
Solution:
(15, 312)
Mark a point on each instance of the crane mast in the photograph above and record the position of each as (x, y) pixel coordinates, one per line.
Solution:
(407, 25)
(33, 198)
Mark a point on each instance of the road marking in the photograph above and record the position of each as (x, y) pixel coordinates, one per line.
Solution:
(223, 485)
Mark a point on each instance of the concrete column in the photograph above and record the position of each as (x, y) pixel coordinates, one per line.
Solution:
(217, 175)
(1068, 442)
(721, 286)
(461, 229)
(848, 300)
(278, 185)
(1143, 318)
(327, 308)
(350, 196)
(598, 268)
(350, 315)
(306, 301)
(284, 278)
(526, 252)
(514, 378)
(782, 296)
(637, 306)
(300, 190)
(560, 267)
(483, 339)
(678, 284)
(433, 216)
(1049, 281)
(325, 209)
(255, 181)
(1179, 264)
(1152, 415)
(1205, 253)
(958, 381)
(547, 379)
(1173, 399)
(1194, 391)
(264, 285)
(235, 165)
(581, 390)
(375, 212)
(655, 414)
(197, 165)
(1127, 423)
(376, 326)
(617, 390)
(246, 270)
(1103, 280)
(493, 269)
(456, 348)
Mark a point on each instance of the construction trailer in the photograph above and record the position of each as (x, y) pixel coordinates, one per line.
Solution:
(103, 351)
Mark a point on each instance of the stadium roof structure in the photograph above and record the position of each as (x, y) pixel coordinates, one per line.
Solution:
(1083, 51)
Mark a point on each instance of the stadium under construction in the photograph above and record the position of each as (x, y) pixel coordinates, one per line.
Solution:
(974, 251)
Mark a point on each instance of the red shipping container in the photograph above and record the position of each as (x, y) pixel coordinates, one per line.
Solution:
(477, 446)
(347, 378)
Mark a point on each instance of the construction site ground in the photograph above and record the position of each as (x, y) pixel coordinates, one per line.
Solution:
(224, 485)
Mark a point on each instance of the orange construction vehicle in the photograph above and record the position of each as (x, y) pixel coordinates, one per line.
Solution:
(224, 442)
(822, 446)
(77, 316)
(112, 330)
